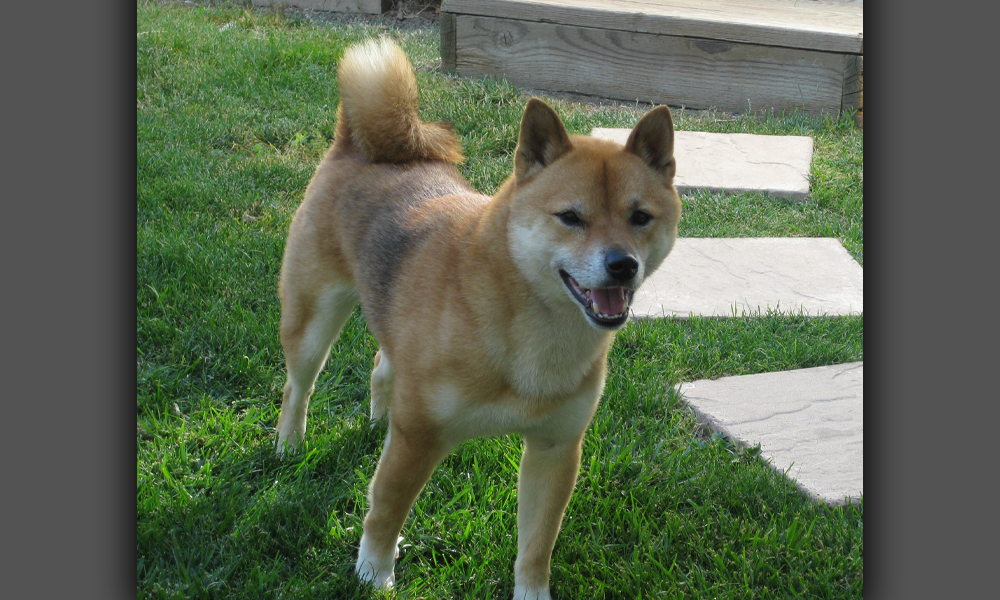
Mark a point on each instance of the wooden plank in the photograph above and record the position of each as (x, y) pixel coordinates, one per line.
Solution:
(852, 82)
(371, 7)
(448, 42)
(650, 68)
(860, 117)
(827, 25)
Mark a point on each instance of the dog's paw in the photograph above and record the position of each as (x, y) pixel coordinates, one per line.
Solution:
(291, 437)
(525, 593)
(286, 445)
(369, 573)
(375, 569)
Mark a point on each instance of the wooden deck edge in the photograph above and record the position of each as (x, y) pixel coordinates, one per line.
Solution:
(852, 83)
(859, 118)
(617, 17)
(449, 42)
(854, 88)
(660, 69)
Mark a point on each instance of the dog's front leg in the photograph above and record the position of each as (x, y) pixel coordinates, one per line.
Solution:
(548, 475)
(408, 459)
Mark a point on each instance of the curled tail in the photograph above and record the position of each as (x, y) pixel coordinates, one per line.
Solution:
(378, 108)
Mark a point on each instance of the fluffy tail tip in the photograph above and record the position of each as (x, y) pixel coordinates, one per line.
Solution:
(379, 105)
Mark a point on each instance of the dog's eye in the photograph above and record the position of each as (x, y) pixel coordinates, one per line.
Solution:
(569, 217)
(640, 217)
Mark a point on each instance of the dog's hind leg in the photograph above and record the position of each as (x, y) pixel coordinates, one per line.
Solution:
(311, 320)
(381, 386)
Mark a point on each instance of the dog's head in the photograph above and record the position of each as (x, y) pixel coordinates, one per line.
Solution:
(590, 219)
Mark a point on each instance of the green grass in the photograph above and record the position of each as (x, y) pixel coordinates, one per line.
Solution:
(234, 110)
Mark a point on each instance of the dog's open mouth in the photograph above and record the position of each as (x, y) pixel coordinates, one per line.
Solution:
(606, 307)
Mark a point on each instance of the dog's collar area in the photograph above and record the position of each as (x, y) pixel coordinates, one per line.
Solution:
(606, 307)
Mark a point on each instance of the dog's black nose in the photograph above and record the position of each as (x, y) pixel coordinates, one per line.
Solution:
(620, 266)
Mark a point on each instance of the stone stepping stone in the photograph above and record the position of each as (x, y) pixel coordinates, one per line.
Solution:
(725, 277)
(736, 162)
(809, 423)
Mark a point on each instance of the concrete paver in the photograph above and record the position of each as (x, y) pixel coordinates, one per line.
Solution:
(809, 423)
(736, 162)
(716, 276)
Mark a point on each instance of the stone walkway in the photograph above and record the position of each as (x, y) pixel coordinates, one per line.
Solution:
(720, 277)
(736, 162)
(809, 423)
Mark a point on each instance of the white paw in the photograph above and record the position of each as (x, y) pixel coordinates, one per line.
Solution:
(369, 573)
(290, 437)
(525, 593)
(375, 569)
(286, 445)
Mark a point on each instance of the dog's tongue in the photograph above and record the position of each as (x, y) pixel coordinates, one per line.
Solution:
(609, 301)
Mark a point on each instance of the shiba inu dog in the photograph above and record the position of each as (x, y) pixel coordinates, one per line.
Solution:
(492, 315)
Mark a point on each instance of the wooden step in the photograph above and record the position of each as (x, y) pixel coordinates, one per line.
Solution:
(732, 55)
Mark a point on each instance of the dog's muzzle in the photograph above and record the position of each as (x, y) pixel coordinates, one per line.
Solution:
(606, 307)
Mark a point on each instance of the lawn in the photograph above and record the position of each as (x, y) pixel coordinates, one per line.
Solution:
(234, 109)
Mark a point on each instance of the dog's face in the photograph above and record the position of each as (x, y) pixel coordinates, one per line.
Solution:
(590, 219)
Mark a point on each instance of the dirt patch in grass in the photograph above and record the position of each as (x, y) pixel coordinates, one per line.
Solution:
(403, 15)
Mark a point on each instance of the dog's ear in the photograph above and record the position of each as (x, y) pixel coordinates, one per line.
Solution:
(542, 140)
(652, 140)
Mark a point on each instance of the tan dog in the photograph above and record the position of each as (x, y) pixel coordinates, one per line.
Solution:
(493, 315)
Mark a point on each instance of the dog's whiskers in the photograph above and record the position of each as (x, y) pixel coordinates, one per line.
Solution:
(537, 274)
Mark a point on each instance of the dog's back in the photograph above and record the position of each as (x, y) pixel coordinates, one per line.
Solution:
(360, 217)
